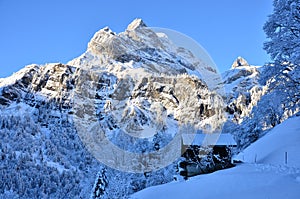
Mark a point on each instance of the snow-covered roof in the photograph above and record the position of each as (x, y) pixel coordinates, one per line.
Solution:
(201, 139)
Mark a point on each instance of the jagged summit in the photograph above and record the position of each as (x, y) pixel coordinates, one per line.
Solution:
(106, 33)
(240, 61)
(102, 35)
(144, 48)
(137, 23)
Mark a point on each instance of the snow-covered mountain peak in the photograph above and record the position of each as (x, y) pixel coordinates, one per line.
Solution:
(23, 73)
(135, 24)
(150, 49)
(104, 31)
(240, 61)
(101, 37)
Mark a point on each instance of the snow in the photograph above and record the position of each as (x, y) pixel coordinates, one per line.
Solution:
(135, 24)
(236, 72)
(271, 178)
(16, 76)
(17, 108)
(208, 139)
(60, 168)
(271, 148)
(244, 181)
(229, 87)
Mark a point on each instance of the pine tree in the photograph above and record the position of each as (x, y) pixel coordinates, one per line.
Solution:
(100, 185)
(283, 31)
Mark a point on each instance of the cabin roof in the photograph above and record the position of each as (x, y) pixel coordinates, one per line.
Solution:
(214, 139)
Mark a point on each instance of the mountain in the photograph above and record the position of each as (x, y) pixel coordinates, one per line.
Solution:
(84, 129)
(242, 87)
(239, 62)
(258, 98)
(135, 84)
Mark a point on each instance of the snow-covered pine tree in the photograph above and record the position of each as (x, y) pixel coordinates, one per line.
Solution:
(100, 184)
(283, 31)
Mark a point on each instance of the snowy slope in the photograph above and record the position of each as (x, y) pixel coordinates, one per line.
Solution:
(244, 181)
(271, 148)
(271, 178)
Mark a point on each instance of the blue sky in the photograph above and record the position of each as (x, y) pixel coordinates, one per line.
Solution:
(35, 31)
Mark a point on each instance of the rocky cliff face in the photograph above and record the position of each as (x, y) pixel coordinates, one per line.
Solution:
(134, 83)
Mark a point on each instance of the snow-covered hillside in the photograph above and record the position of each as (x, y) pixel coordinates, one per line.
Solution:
(244, 181)
(270, 177)
(280, 146)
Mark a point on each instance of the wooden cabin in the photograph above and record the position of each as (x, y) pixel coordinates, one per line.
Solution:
(199, 145)
(207, 140)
